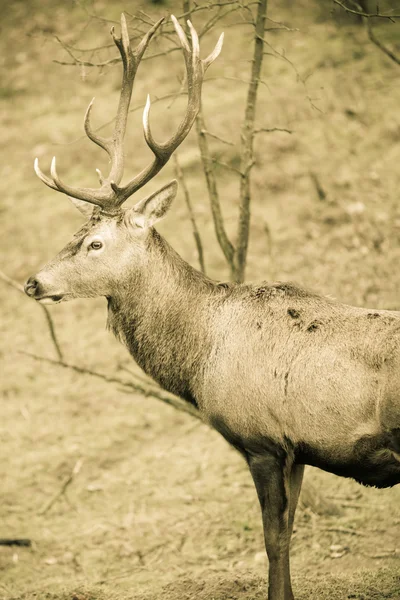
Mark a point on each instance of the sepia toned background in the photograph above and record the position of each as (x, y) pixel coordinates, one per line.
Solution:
(122, 496)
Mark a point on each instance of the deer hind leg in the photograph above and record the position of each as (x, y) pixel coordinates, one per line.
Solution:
(296, 479)
(272, 478)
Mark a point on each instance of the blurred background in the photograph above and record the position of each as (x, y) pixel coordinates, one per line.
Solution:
(121, 495)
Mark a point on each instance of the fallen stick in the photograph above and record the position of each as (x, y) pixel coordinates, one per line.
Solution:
(15, 542)
(67, 481)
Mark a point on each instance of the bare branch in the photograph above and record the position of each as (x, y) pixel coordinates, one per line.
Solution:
(12, 282)
(218, 17)
(222, 237)
(111, 61)
(361, 13)
(188, 11)
(216, 137)
(280, 25)
(247, 151)
(139, 376)
(344, 530)
(367, 19)
(247, 82)
(281, 28)
(239, 23)
(50, 323)
(271, 130)
(280, 55)
(205, 154)
(225, 165)
(86, 63)
(52, 331)
(164, 397)
(380, 45)
(196, 234)
(268, 235)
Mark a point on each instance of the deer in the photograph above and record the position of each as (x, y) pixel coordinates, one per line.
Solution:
(287, 376)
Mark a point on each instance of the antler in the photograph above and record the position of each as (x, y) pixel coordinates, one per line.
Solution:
(110, 196)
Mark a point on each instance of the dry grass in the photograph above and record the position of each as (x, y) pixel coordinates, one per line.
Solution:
(162, 507)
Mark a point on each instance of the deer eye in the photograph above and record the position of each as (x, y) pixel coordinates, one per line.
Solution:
(96, 245)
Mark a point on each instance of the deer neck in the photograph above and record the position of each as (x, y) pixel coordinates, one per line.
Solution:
(161, 314)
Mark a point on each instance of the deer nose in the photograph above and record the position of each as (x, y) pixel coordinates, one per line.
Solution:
(31, 287)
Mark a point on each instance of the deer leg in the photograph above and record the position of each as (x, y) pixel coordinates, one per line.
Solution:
(271, 477)
(296, 479)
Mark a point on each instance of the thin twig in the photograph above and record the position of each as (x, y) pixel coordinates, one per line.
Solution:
(216, 137)
(344, 530)
(380, 45)
(271, 130)
(111, 61)
(357, 505)
(246, 81)
(64, 486)
(268, 235)
(317, 184)
(141, 377)
(49, 320)
(361, 13)
(281, 25)
(195, 230)
(367, 20)
(11, 282)
(390, 553)
(225, 165)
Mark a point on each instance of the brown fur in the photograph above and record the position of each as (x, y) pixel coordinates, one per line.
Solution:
(270, 362)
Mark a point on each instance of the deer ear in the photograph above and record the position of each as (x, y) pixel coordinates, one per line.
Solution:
(153, 208)
(84, 207)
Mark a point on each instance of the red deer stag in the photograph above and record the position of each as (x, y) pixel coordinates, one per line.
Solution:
(288, 377)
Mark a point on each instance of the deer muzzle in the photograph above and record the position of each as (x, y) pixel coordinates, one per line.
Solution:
(34, 289)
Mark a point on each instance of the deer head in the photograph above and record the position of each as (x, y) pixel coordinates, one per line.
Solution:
(113, 238)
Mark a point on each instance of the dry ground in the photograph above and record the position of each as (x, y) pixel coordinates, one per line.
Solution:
(162, 507)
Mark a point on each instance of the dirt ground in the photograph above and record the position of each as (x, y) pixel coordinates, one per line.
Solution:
(161, 507)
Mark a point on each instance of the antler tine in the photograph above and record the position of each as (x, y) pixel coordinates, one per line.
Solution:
(44, 177)
(195, 43)
(181, 34)
(195, 68)
(107, 195)
(100, 141)
(215, 53)
(85, 193)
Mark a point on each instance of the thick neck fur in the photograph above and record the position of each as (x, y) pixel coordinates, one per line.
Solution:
(161, 312)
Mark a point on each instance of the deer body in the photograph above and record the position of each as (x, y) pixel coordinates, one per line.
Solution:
(286, 376)
(268, 364)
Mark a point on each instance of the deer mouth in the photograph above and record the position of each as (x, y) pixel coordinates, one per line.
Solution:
(53, 299)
